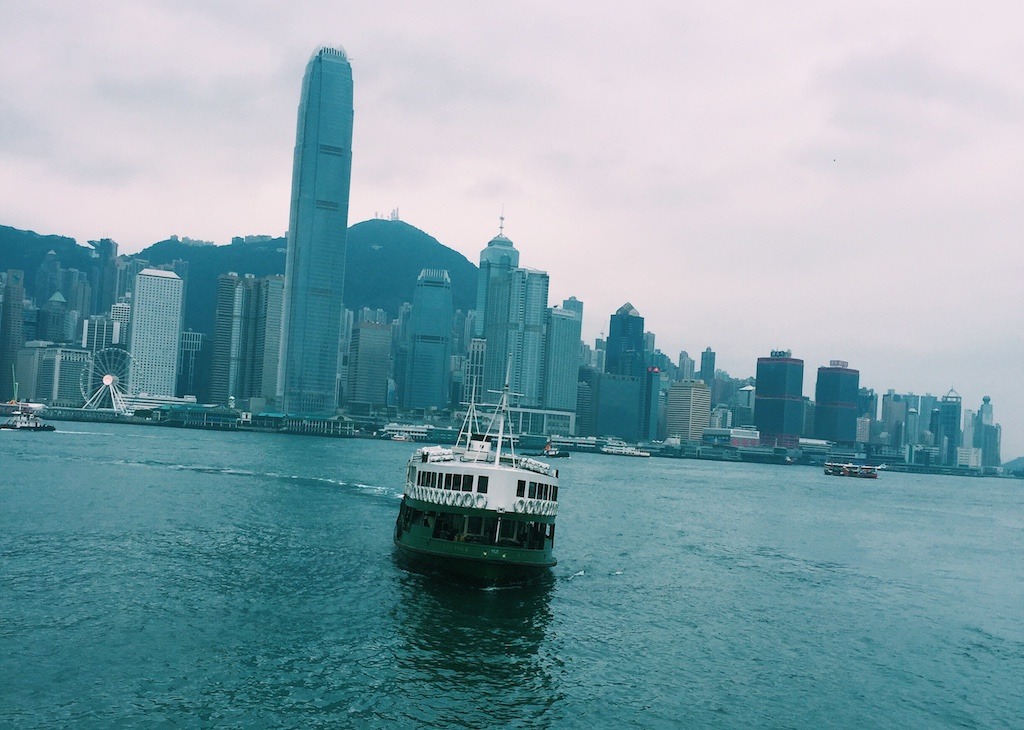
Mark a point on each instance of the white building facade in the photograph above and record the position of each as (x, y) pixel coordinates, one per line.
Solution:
(155, 332)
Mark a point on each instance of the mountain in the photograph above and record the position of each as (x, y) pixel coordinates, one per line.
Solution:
(25, 250)
(1015, 465)
(383, 260)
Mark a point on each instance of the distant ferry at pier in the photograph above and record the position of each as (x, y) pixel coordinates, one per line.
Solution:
(861, 471)
(478, 510)
(621, 448)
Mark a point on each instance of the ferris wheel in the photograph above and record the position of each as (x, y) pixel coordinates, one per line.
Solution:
(104, 382)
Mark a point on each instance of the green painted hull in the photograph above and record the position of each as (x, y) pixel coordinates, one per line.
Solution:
(473, 569)
(483, 561)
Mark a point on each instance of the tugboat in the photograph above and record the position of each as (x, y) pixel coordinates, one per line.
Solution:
(24, 418)
(478, 511)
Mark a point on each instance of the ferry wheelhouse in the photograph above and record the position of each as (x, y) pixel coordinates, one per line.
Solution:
(478, 510)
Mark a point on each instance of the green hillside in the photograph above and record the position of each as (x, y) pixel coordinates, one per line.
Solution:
(384, 258)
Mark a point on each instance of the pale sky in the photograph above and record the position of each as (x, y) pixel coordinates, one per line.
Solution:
(840, 179)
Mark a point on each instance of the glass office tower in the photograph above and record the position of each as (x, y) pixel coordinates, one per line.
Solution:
(317, 230)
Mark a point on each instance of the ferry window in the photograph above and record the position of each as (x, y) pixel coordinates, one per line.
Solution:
(467, 482)
(433, 479)
(554, 494)
(521, 489)
(543, 491)
(507, 530)
(532, 494)
(481, 484)
(475, 526)
(448, 481)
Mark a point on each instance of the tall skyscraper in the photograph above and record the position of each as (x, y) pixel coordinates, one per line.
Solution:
(12, 332)
(948, 435)
(707, 368)
(192, 376)
(987, 434)
(430, 342)
(778, 399)
(625, 344)
(369, 363)
(317, 231)
(514, 316)
(497, 259)
(562, 359)
(835, 403)
(155, 332)
(247, 332)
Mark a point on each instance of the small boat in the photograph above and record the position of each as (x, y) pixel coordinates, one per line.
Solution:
(860, 471)
(621, 448)
(478, 511)
(550, 451)
(24, 418)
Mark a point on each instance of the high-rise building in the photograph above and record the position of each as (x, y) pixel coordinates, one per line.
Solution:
(59, 376)
(473, 379)
(103, 275)
(369, 363)
(687, 366)
(192, 375)
(514, 317)
(778, 400)
(835, 403)
(247, 332)
(689, 410)
(99, 332)
(317, 231)
(497, 259)
(624, 348)
(429, 339)
(53, 321)
(12, 332)
(573, 304)
(618, 400)
(155, 332)
(948, 435)
(987, 435)
(707, 367)
(561, 359)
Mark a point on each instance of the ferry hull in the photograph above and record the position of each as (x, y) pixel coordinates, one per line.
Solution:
(490, 570)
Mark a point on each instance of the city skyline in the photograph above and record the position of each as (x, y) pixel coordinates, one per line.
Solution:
(852, 198)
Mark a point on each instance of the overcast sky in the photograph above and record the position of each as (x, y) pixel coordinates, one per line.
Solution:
(841, 179)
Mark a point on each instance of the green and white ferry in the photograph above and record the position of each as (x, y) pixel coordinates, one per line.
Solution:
(478, 510)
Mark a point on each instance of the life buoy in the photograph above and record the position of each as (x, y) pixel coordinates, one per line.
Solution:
(467, 500)
(519, 506)
(481, 500)
(531, 507)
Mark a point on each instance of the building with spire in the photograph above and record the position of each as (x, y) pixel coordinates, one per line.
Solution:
(317, 234)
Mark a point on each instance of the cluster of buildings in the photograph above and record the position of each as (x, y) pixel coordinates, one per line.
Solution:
(288, 345)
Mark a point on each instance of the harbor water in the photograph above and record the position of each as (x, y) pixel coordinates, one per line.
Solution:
(155, 577)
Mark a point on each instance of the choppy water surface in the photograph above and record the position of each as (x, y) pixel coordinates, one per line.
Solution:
(152, 576)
